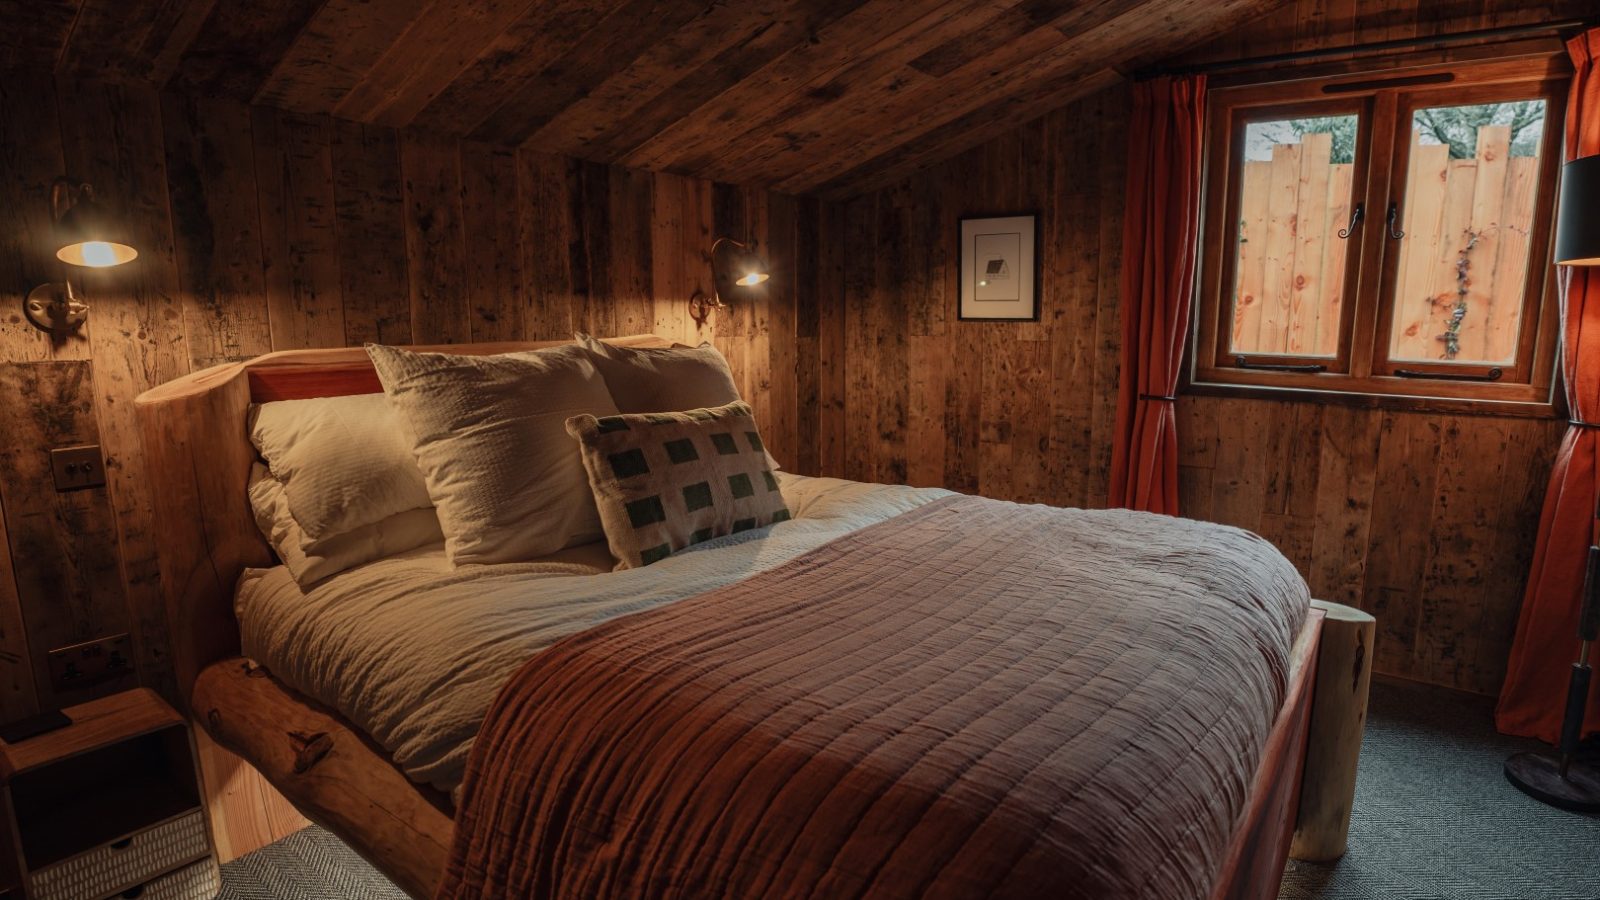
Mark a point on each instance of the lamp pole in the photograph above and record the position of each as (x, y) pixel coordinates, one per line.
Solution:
(1562, 779)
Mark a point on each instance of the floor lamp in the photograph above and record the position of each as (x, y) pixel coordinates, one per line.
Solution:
(1562, 779)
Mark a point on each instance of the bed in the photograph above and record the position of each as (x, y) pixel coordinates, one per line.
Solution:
(378, 757)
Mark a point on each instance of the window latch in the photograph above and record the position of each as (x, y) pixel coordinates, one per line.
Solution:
(1244, 362)
(1355, 219)
(1395, 233)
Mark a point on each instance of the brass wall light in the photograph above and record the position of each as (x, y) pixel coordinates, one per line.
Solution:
(744, 268)
(86, 234)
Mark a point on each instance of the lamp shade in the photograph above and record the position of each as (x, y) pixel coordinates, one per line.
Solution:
(748, 268)
(1578, 224)
(91, 236)
(738, 263)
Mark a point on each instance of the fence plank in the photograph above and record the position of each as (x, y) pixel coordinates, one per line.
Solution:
(1455, 231)
(1340, 177)
(1511, 260)
(1311, 206)
(1426, 185)
(1484, 302)
(1278, 283)
(1252, 254)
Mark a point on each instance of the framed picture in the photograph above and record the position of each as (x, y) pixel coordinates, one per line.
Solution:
(999, 270)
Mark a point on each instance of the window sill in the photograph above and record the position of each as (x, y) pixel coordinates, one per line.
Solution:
(1518, 409)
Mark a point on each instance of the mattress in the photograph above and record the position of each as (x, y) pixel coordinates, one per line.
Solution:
(413, 653)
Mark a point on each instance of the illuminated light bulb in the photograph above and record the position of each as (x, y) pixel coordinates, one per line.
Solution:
(97, 254)
(752, 278)
(983, 284)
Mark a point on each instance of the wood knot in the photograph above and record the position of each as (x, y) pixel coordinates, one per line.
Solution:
(309, 748)
(214, 719)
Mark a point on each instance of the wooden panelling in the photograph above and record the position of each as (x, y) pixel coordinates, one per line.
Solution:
(787, 94)
(436, 246)
(216, 223)
(1010, 411)
(63, 545)
(369, 224)
(1425, 520)
(30, 154)
(299, 247)
(135, 338)
(261, 230)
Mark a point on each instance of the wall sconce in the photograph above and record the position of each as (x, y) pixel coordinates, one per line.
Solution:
(745, 269)
(86, 234)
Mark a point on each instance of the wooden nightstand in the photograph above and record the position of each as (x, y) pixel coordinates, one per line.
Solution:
(108, 806)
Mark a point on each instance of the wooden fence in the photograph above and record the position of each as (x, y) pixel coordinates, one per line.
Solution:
(1462, 262)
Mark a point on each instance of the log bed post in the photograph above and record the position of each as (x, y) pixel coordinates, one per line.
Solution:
(1338, 719)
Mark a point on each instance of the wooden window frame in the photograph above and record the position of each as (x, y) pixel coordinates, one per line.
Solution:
(1360, 373)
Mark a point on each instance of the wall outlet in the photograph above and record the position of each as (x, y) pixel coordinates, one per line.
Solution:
(91, 663)
(77, 467)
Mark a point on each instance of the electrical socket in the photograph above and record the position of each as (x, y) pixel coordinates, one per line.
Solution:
(91, 662)
(77, 467)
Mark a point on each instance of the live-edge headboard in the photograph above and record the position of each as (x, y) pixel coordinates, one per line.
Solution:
(198, 456)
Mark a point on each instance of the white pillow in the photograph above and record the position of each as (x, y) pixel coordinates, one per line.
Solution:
(344, 462)
(664, 379)
(311, 561)
(492, 442)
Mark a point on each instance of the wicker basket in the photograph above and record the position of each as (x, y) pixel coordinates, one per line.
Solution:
(200, 881)
(131, 861)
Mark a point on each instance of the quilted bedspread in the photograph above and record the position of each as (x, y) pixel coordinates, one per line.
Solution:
(974, 698)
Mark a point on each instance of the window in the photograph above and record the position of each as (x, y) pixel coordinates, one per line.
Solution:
(1384, 235)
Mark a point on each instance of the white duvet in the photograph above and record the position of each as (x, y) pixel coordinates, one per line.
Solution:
(414, 653)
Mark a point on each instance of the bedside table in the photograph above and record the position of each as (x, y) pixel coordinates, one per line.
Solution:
(108, 806)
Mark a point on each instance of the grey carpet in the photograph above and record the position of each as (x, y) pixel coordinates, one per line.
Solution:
(1434, 818)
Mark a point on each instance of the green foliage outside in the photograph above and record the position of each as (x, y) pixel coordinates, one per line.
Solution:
(1454, 126)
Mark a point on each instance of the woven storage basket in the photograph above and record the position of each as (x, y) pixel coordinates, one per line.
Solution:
(200, 881)
(113, 866)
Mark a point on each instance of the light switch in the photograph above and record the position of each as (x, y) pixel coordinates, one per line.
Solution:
(77, 467)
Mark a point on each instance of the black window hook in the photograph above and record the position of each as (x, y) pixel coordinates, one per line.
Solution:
(1355, 219)
(1394, 214)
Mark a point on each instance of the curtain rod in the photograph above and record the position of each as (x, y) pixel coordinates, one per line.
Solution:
(1429, 41)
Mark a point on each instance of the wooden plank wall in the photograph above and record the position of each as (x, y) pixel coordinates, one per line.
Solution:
(261, 230)
(1426, 520)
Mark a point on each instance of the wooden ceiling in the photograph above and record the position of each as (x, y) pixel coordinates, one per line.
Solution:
(804, 96)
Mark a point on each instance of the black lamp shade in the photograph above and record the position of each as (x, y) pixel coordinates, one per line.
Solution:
(91, 235)
(1578, 225)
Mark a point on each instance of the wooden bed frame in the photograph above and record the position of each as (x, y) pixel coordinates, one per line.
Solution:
(199, 460)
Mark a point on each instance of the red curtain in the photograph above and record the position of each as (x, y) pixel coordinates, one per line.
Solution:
(1158, 258)
(1532, 698)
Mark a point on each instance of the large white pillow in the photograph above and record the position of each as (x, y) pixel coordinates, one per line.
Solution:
(491, 439)
(310, 561)
(664, 379)
(344, 462)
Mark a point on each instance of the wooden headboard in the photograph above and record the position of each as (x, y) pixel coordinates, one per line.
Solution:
(198, 456)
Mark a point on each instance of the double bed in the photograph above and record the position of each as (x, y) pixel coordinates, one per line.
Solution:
(1174, 656)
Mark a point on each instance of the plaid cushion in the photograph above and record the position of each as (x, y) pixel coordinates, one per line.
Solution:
(664, 481)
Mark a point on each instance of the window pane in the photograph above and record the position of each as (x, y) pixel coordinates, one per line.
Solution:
(1295, 197)
(1471, 187)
